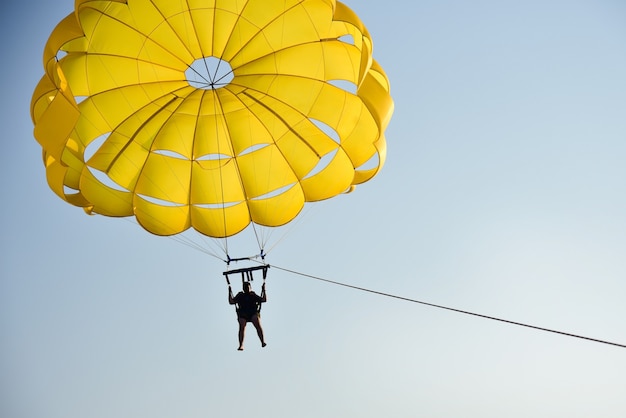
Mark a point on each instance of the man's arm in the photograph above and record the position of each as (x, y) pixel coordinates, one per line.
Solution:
(231, 299)
(263, 294)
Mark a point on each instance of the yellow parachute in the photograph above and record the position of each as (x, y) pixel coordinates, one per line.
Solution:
(209, 114)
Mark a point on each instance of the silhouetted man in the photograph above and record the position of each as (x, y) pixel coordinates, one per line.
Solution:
(248, 310)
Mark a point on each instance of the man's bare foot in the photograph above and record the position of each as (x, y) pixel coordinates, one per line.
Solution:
(263, 344)
(240, 349)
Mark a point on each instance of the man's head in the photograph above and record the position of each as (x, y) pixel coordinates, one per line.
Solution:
(246, 287)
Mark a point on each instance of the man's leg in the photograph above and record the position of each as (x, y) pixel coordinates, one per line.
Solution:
(242, 332)
(256, 321)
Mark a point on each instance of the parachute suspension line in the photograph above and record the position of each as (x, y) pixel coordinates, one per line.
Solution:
(219, 152)
(291, 226)
(181, 239)
(221, 179)
(213, 246)
(260, 240)
(567, 334)
(192, 244)
(260, 243)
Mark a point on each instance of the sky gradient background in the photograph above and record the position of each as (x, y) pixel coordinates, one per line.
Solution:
(503, 194)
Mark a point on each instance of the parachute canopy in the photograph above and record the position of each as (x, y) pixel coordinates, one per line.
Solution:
(209, 114)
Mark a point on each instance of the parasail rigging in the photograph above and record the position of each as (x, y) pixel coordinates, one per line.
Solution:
(209, 115)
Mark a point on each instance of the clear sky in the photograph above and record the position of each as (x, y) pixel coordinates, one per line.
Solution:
(503, 194)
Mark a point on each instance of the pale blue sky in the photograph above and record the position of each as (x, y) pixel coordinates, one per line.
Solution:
(503, 194)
